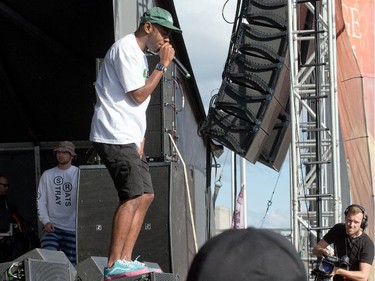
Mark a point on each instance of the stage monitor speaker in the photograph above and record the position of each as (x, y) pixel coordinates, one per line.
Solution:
(161, 116)
(166, 235)
(4, 266)
(153, 276)
(58, 258)
(36, 270)
(91, 269)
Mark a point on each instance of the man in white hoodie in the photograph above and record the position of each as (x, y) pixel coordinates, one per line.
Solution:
(56, 201)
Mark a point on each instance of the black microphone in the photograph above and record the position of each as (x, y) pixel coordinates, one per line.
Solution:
(181, 67)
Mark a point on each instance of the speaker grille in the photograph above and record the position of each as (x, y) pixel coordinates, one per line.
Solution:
(153, 243)
(97, 202)
(37, 270)
(165, 235)
(91, 269)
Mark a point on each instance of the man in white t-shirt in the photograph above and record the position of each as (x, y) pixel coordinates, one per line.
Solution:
(57, 202)
(123, 90)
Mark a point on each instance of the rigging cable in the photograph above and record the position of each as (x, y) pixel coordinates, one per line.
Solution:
(269, 203)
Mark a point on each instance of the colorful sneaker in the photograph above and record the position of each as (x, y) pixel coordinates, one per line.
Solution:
(149, 266)
(124, 269)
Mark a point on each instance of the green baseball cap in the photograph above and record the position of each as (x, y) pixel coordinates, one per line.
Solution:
(160, 16)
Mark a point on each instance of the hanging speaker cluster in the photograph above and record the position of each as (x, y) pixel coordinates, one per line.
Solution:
(249, 114)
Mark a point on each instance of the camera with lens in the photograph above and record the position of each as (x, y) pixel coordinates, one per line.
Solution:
(326, 265)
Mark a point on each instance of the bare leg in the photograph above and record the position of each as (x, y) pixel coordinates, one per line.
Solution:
(137, 222)
(121, 224)
(126, 226)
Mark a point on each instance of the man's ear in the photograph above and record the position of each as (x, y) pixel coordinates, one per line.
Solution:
(147, 27)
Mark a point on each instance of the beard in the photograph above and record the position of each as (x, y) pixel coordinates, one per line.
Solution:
(63, 161)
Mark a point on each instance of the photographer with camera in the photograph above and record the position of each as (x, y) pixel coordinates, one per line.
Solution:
(349, 240)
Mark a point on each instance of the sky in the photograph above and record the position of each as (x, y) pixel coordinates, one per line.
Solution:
(207, 36)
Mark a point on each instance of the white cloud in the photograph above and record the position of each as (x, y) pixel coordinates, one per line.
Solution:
(279, 218)
(207, 39)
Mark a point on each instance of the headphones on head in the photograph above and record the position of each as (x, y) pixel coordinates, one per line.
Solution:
(364, 222)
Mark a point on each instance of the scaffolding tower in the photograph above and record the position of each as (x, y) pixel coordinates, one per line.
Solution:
(315, 163)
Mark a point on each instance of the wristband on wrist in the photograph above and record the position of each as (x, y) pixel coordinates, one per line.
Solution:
(160, 67)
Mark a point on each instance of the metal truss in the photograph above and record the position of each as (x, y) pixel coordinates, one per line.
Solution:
(314, 170)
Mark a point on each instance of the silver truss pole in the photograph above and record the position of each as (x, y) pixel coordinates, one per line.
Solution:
(315, 163)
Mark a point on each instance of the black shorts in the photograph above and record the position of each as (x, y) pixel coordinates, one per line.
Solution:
(130, 173)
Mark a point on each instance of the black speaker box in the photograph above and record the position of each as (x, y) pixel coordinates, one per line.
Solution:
(161, 116)
(91, 269)
(36, 270)
(4, 266)
(46, 265)
(153, 276)
(97, 202)
(166, 235)
(279, 136)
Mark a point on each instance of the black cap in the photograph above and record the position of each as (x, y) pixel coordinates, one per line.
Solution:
(247, 254)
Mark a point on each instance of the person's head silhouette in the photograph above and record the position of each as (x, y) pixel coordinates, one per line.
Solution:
(247, 254)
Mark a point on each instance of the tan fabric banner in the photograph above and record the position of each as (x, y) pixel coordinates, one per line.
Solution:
(355, 64)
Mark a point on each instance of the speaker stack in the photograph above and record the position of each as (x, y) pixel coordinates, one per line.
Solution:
(164, 236)
(161, 116)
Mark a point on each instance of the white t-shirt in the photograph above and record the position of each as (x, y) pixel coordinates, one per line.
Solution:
(117, 118)
(57, 197)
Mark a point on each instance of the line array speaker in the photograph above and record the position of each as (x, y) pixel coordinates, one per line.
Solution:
(251, 103)
(279, 137)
